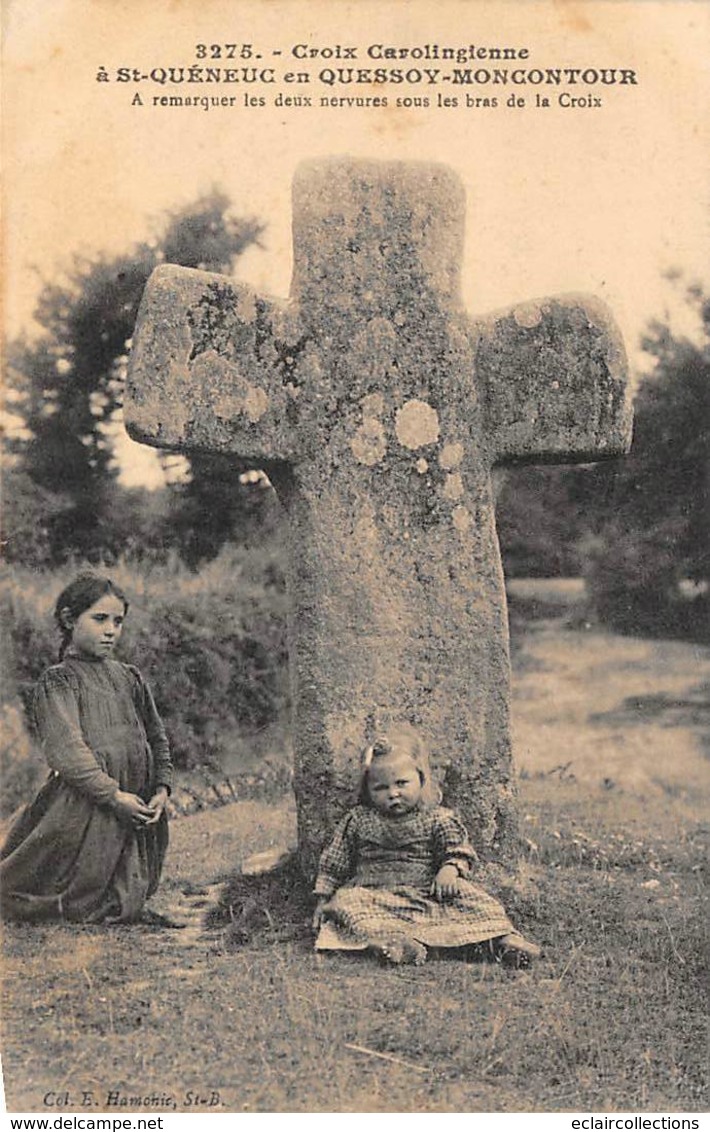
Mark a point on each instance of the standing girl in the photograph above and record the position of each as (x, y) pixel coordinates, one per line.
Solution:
(395, 878)
(91, 845)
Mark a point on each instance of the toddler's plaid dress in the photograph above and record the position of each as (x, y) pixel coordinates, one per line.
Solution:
(378, 872)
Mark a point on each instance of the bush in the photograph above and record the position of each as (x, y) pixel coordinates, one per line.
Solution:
(539, 521)
(22, 769)
(631, 579)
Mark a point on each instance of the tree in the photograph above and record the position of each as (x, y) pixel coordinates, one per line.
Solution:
(539, 524)
(69, 381)
(659, 532)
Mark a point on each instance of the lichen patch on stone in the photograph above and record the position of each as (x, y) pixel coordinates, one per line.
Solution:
(417, 424)
(453, 487)
(210, 368)
(527, 315)
(256, 403)
(421, 466)
(226, 386)
(451, 456)
(369, 443)
(245, 304)
(461, 519)
(373, 405)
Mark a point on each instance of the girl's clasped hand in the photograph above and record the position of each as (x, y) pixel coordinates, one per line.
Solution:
(140, 813)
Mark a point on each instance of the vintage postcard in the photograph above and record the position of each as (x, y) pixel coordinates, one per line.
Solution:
(525, 155)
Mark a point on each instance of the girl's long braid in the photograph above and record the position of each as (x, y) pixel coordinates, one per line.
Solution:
(66, 641)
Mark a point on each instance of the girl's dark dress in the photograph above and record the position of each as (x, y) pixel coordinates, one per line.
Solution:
(68, 855)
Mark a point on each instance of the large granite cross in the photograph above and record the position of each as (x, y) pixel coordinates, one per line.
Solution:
(378, 407)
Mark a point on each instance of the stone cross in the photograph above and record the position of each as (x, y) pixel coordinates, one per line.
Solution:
(378, 407)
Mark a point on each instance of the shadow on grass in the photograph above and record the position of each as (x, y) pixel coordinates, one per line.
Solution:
(270, 907)
(692, 710)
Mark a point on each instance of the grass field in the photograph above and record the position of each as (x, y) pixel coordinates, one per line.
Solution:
(612, 737)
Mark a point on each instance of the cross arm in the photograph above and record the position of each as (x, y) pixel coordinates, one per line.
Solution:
(554, 379)
(209, 368)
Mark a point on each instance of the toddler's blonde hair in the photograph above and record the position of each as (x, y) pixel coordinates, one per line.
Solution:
(400, 739)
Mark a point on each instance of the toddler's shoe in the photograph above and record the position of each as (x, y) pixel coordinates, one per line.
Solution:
(401, 950)
(516, 951)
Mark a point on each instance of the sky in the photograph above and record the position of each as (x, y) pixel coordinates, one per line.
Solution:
(592, 199)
